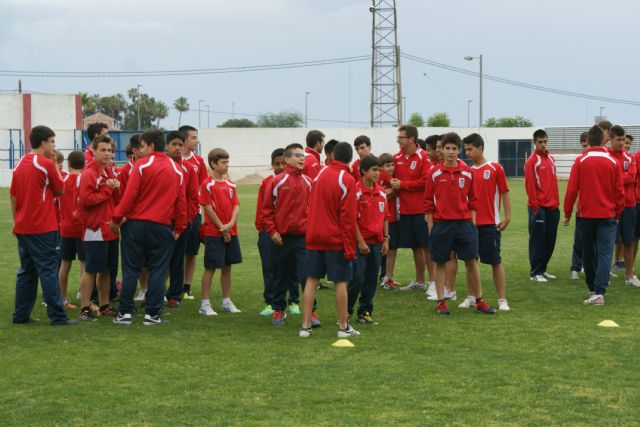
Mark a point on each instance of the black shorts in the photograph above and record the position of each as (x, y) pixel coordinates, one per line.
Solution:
(218, 254)
(394, 234)
(70, 248)
(100, 257)
(638, 221)
(413, 231)
(627, 226)
(458, 236)
(193, 236)
(489, 244)
(332, 263)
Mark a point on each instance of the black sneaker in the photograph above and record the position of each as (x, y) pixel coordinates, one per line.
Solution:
(365, 318)
(122, 319)
(153, 320)
(87, 316)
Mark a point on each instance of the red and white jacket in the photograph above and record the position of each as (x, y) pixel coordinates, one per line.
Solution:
(96, 203)
(597, 179)
(285, 206)
(627, 166)
(393, 204)
(541, 181)
(201, 166)
(372, 212)
(355, 170)
(332, 211)
(69, 204)
(260, 201)
(312, 165)
(412, 172)
(123, 174)
(449, 194)
(489, 183)
(191, 188)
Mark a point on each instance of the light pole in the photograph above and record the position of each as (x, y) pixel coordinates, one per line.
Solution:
(601, 117)
(306, 109)
(471, 58)
(139, 121)
(404, 107)
(207, 116)
(233, 110)
(200, 101)
(469, 101)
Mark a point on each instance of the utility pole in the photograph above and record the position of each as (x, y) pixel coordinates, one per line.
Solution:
(139, 117)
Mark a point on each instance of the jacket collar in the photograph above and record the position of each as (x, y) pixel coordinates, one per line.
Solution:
(339, 165)
(292, 170)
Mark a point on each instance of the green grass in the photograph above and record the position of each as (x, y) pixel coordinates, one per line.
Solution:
(545, 362)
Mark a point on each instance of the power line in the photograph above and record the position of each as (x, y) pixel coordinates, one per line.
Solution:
(258, 115)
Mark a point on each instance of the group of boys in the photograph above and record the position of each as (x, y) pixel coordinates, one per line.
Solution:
(604, 187)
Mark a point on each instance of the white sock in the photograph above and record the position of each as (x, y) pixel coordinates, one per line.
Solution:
(205, 302)
(226, 301)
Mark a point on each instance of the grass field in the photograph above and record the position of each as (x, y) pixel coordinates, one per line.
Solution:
(545, 362)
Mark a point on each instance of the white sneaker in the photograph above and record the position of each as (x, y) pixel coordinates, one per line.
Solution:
(575, 275)
(469, 301)
(348, 332)
(450, 295)
(207, 310)
(142, 293)
(414, 286)
(304, 332)
(539, 278)
(634, 281)
(431, 289)
(549, 276)
(502, 305)
(230, 307)
(594, 299)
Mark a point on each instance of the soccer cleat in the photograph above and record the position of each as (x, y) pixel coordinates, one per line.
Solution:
(187, 295)
(230, 307)
(294, 308)
(86, 316)
(450, 295)
(315, 322)
(69, 306)
(442, 308)
(594, 299)
(431, 289)
(150, 320)
(366, 318)
(414, 286)
(389, 285)
(619, 265)
(207, 310)
(142, 294)
(108, 311)
(575, 275)
(173, 303)
(469, 301)
(267, 311)
(634, 281)
(502, 305)
(538, 278)
(278, 318)
(484, 307)
(347, 332)
(304, 332)
(122, 319)
(549, 276)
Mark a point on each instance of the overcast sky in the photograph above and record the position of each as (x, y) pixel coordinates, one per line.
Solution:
(581, 46)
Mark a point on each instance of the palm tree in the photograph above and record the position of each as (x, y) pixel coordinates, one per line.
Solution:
(89, 103)
(182, 105)
(159, 110)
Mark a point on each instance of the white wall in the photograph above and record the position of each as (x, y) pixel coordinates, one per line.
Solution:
(10, 111)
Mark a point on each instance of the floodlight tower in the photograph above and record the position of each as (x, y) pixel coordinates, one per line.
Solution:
(386, 96)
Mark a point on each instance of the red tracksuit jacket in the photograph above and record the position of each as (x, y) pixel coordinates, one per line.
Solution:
(69, 225)
(312, 164)
(260, 202)
(597, 178)
(372, 212)
(449, 194)
(192, 189)
(286, 203)
(97, 202)
(541, 181)
(412, 172)
(332, 211)
(627, 166)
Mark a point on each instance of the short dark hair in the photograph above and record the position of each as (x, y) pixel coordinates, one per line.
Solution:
(385, 158)
(595, 136)
(128, 151)
(475, 140)
(40, 134)
(617, 130)
(422, 144)
(313, 137)
(134, 141)
(95, 129)
(216, 155)
(432, 141)
(629, 136)
(76, 160)
(343, 152)
(362, 139)
(410, 130)
(155, 137)
(102, 139)
(369, 161)
(59, 156)
(605, 124)
(329, 146)
(185, 129)
(539, 134)
(288, 150)
(278, 152)
(175, 134)
(583, 136)
(451, 138)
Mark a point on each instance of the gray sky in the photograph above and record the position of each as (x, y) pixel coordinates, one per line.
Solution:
(582, 46)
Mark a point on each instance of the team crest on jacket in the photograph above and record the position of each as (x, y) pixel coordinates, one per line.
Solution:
(486, 174)
(461, 182)
(626, 164)
(381, 206)
(231, 193)
(413, 165)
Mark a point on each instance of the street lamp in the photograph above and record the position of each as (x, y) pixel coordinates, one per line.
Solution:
(469, 101)
(471, 58)
(306, 110)
(139, 125)
(601, 116)
(207, 116)
(200, 101)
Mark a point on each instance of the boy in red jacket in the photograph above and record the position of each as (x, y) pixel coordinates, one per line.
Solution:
(156, 214)
(596, 182)
(97, 196)
(70, 229)
(388, 261)
(284, 214)
(362, 145)
(219, 197)
(331, 237)
(372, 233)
(264, 240)
(312, 164)
(541, 184)
(450, 208)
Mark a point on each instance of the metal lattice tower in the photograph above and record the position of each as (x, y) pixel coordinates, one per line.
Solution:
(386, 97)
